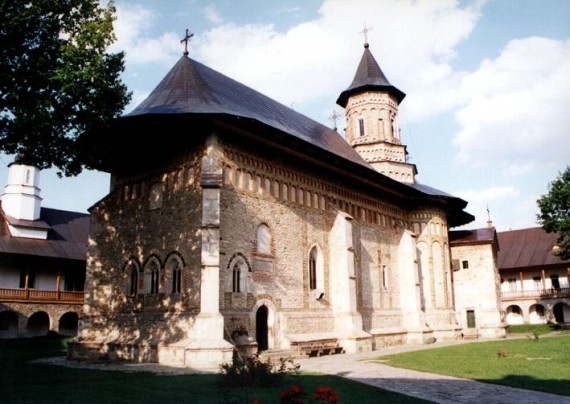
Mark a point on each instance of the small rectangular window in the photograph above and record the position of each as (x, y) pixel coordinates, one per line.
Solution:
(471, 319)
(361, 127)
(465, 264)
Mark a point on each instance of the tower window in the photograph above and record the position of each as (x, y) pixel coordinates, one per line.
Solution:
(361, 127)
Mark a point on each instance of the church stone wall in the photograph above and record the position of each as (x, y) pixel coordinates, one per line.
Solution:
(147, 219)
(477, 290)
(258, 193)
(143, 222)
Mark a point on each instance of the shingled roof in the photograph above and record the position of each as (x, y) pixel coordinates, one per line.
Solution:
(485, 235)
(193, 88)
(67, 236)
(531, 247)
(368, 77)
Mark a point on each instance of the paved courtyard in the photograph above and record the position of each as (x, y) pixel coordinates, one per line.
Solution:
(427, 386)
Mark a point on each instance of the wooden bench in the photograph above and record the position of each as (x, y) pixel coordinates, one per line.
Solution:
(318, 347)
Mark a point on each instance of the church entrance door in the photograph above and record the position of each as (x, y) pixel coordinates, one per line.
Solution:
(261, 328)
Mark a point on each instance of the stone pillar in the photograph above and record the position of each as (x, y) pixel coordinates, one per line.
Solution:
(410, 297)
(348, 321)
(207, 346)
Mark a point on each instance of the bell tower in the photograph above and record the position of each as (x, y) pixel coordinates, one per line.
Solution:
(371, 112)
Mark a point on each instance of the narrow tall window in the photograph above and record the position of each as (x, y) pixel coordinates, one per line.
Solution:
(173, 274)
(384, 276)
(313, 269)
(151, 277)
(154, 281)
(361, 127)
(236, 277)
(176, 279)
(133, 281)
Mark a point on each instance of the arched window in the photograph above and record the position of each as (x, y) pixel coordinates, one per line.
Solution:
(239, 269)
(131, 271)
(263, 236)
(316, 272)
(313, 269)
(173, 272)
(152, 276)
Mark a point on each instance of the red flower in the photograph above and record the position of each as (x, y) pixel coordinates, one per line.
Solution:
(326, 395)
(283, 395)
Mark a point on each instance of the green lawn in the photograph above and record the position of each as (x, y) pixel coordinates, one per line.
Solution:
(542, 365)
(538, 329)
(24, 382)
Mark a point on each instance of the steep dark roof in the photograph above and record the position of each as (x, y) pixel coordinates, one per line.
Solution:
(67, 236)
(368, 77)
(193, 88)
(531, 247)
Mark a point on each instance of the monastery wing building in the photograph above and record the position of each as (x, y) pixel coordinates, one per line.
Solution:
(235, 220)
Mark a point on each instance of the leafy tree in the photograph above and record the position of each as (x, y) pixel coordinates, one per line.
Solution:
(555, 212)
(57, 79)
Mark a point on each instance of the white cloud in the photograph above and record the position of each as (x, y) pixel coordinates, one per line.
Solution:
(517, 107)
(317, 59)
(309, 61)
(485, 196)
(130, 28)
(213, 15)
(498, 199)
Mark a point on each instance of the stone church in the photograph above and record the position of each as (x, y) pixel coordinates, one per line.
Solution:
(235, 220)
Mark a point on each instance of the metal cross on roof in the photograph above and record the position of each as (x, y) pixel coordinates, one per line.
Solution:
(334, 116)
(185, 40)
(365, 33)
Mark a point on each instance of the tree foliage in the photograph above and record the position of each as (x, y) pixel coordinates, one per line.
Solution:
(555, 212)
(57, 79)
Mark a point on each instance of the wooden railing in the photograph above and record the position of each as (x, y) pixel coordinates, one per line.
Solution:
(536, 294)
(35, 295)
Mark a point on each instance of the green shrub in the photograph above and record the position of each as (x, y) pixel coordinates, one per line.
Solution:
(255, 372)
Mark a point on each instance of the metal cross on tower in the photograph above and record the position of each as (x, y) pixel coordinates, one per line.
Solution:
(185, 40)
(365, 33)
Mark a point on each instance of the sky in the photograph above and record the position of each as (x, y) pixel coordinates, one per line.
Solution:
(486, 115)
